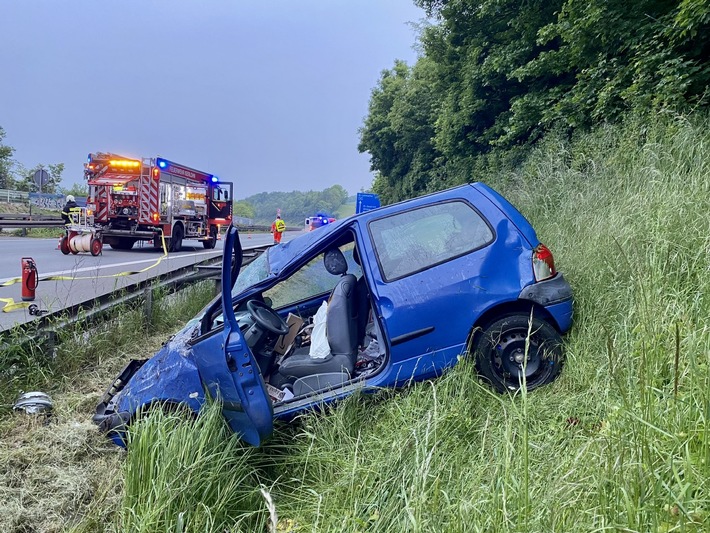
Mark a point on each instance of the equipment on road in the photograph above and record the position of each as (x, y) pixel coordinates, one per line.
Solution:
(81, 234)
(34, 310)
(145, 199)
(30, 279)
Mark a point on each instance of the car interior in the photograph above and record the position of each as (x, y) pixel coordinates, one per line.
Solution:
(287, 311)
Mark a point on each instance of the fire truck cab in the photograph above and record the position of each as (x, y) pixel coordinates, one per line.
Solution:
(147, 199)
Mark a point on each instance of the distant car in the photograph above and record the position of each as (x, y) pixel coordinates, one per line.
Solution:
(408, 289)
(318, 221)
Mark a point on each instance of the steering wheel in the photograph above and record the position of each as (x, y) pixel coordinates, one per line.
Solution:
(267, 318)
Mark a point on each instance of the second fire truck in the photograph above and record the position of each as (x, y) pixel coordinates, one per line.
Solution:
(145, 199)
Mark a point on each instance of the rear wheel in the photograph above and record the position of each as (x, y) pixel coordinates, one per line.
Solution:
(504, 356)
(176, 239)
(121, 243)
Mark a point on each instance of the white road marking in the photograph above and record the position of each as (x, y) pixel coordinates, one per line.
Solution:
(114, 265)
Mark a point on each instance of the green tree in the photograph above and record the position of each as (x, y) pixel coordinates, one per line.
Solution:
(77, 189)
(55, 177)
(6, 163)
(244, 209)
(398, 132)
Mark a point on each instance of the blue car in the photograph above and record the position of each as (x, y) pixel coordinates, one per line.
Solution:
(380, 299)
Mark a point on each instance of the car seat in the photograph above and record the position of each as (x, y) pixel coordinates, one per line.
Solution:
(341, 330)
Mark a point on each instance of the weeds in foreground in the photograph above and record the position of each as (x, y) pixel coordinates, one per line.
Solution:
(620, 442)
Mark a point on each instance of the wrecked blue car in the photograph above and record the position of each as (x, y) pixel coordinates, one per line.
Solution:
(381, 299)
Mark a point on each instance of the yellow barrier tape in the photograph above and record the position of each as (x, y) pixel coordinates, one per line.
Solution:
(11, 305)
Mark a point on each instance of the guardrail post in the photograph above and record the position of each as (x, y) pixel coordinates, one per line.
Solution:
(148, 306)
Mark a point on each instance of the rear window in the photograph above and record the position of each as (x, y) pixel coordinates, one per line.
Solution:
(414, 240)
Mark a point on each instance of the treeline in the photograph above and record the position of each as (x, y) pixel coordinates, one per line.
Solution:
(494, 76)
(295, 206)
(15, 176)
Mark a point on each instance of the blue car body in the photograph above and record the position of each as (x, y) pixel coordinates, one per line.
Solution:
(438, 271)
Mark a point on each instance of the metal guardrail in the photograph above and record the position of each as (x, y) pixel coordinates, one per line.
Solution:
(27, 221)
(88, 311)
(11, 196)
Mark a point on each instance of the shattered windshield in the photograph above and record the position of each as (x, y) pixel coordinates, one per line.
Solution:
(254, 272)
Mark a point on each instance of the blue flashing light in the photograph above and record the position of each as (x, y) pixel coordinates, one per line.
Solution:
(214, 179)
(162, 164)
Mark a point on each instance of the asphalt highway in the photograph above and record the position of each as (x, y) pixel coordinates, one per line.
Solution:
(88, 276)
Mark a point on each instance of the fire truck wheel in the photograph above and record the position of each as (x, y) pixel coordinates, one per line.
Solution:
(210, 243)
(64, 245)
(122, 243)
(176, 239)
(96, 246)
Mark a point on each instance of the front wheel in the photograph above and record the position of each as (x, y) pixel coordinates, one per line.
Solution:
(210, 243)
(505, 357)
(176, 239)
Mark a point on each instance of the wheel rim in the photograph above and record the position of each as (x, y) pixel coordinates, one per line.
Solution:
(508, 358)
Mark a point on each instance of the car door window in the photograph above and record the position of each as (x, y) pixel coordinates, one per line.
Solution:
(417, 239)
(310, 280)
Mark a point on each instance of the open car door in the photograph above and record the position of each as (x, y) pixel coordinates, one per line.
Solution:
(252, 416)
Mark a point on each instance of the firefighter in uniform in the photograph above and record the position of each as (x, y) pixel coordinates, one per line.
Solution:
(277, 228)
(70, 207)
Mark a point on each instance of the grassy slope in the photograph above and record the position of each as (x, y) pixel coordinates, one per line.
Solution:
(618, 443)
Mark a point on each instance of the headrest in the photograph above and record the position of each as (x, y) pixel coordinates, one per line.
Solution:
(335, 262)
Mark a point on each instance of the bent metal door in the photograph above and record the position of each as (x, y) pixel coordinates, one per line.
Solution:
(252, 415)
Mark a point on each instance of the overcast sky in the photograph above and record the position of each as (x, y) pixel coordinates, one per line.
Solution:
(268, 94)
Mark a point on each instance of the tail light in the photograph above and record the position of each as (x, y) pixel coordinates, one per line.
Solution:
(543, 263)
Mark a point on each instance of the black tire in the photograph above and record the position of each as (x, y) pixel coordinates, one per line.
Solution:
(176, 239)
(122, 243)
(210, 243)
(500, 353)
(64, 245)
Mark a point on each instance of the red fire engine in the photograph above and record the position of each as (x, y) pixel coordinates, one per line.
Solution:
(134, 200)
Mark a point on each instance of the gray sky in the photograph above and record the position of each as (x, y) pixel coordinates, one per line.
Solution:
(268, 94)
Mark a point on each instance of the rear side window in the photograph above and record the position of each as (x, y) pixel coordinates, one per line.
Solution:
(417, 239)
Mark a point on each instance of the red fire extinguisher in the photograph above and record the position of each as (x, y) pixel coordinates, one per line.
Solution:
(30, 279)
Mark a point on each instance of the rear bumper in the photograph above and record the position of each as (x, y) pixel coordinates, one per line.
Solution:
(555, 295)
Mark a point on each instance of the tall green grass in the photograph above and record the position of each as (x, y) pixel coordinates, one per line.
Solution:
(189, 475)
(619, 442)
(29, 362)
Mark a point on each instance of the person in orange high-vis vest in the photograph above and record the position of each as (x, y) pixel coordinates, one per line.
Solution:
(277, 228)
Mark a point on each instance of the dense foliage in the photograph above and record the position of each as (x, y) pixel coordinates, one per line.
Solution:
(295, 206)
(15, 176)
(497, 75)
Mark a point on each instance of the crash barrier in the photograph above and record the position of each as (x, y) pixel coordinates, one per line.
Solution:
(45, 326)
(12, 305)
(27, 221)
(18, 197)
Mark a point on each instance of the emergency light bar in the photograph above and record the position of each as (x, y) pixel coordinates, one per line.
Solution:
(124, 163)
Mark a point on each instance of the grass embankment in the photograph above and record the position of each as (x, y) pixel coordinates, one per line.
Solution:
(619, 442)
(57, 471)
